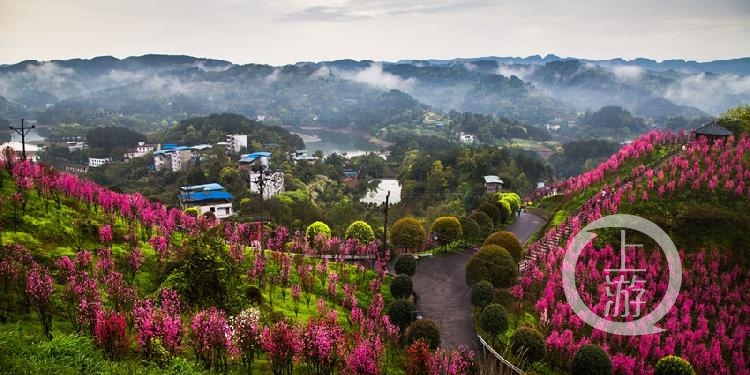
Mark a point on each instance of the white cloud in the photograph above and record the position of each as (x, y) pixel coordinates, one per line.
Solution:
(375, 76)
(710, 93)
(628, 73)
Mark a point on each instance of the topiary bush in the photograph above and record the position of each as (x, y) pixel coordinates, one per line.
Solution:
(493, 210)
(673, 365)
(408, 234)
(423, 329)
(472, 232)
(486, 225)
(405, 264)
(400, 313)
(401, 286)
(316, 228)
(529, 343)
(360, 231)
(505, 211)
(493, 320)
(591, 360)
(447, 229)
(508, 241)
(494, 264)
(482, 294)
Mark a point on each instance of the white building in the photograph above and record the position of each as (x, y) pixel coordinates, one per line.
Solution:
(467, 138)
(207, 198)
(17, 147)
(493, 184)
(141, 150)
(175, 159)
(98, 162)
(237, 141)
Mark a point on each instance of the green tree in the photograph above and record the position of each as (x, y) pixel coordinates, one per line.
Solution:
(423, 329)
(408, 234)
(736, 120)
(529, 344)
(471, 230)
(361, 231)
(673, 365)
(494, 264)
(482, 293)
(315, 229)
(494, 320)
(485, 223)
(400, 312)
(447, 229)
(401, 286)
(508, 241)
(591, 360)
(405, 264)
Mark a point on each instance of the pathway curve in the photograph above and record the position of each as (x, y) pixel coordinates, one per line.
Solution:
(444, 296)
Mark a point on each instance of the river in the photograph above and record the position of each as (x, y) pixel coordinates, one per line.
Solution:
(378, 196)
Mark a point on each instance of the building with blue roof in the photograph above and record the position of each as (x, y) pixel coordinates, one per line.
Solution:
(207, 198)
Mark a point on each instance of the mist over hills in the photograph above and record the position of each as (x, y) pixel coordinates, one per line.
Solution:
(365, 94)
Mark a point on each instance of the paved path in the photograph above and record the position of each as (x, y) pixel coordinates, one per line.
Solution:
(444, 296)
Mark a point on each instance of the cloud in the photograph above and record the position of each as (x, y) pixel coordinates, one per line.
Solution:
(520, 71)
(711, 93)
(273, 76)
(374, 75)
(628, 73)
(356, 10)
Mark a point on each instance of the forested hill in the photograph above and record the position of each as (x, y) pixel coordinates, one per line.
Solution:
(141, 92)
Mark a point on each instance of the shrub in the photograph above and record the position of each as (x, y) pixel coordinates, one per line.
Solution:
(315, 229)
(673, 365)
(408, 234)
(505, 211)
(494, 320)
(426, 330)
(401, 286)
(508, 241)
(400, 313)
(494, 264)
(110, 333)
(529, 343)
(486, 226)
(447, 229)
(360, 231)
(591, 360)
(482, 293)
(493, 211)
(418, 358)
(406, 265)
(472, 232)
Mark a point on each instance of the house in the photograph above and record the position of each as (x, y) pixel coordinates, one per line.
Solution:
(493, 184)
(140, 151)
(98, 162)
(73, 146)
(712, 131)
(256, 162)
(172, 158)
(237, 141)
(301, 155)
(351, 177)
(17, 147)
(466, 138)
(207, 198)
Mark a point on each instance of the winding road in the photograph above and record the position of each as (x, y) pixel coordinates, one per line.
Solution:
(444, 296)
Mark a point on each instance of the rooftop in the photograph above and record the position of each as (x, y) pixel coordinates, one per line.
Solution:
(712, 129)
(205, 187)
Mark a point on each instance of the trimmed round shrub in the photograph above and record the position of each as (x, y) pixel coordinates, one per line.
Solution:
(316, 228)
(673, 365)
(486, 225)
(401, 286)
(408, 234)
(425, 330)
(505, 211)
(508, 241)
(494, 320)
(472, 232)
(406, 265)
(529, 343)
(400, 313)
(360, 231)
(512, 198)
(447, 229)
(482, 294)
(493, 210)
(591, 360)
(494, 264)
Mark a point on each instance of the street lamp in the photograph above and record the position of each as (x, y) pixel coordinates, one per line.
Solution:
(22, 131)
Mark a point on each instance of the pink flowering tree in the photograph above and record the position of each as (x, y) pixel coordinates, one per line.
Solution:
(110, 333)
(322, 341)
(246, 331)
(282, 344)
(211, 338)
(39, 290)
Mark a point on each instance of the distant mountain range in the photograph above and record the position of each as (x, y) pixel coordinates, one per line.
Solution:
(365, 94)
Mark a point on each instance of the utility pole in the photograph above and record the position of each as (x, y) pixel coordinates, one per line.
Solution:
(22, 131)
(385, 220)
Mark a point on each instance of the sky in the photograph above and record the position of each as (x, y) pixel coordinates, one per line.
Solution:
(279, 32)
